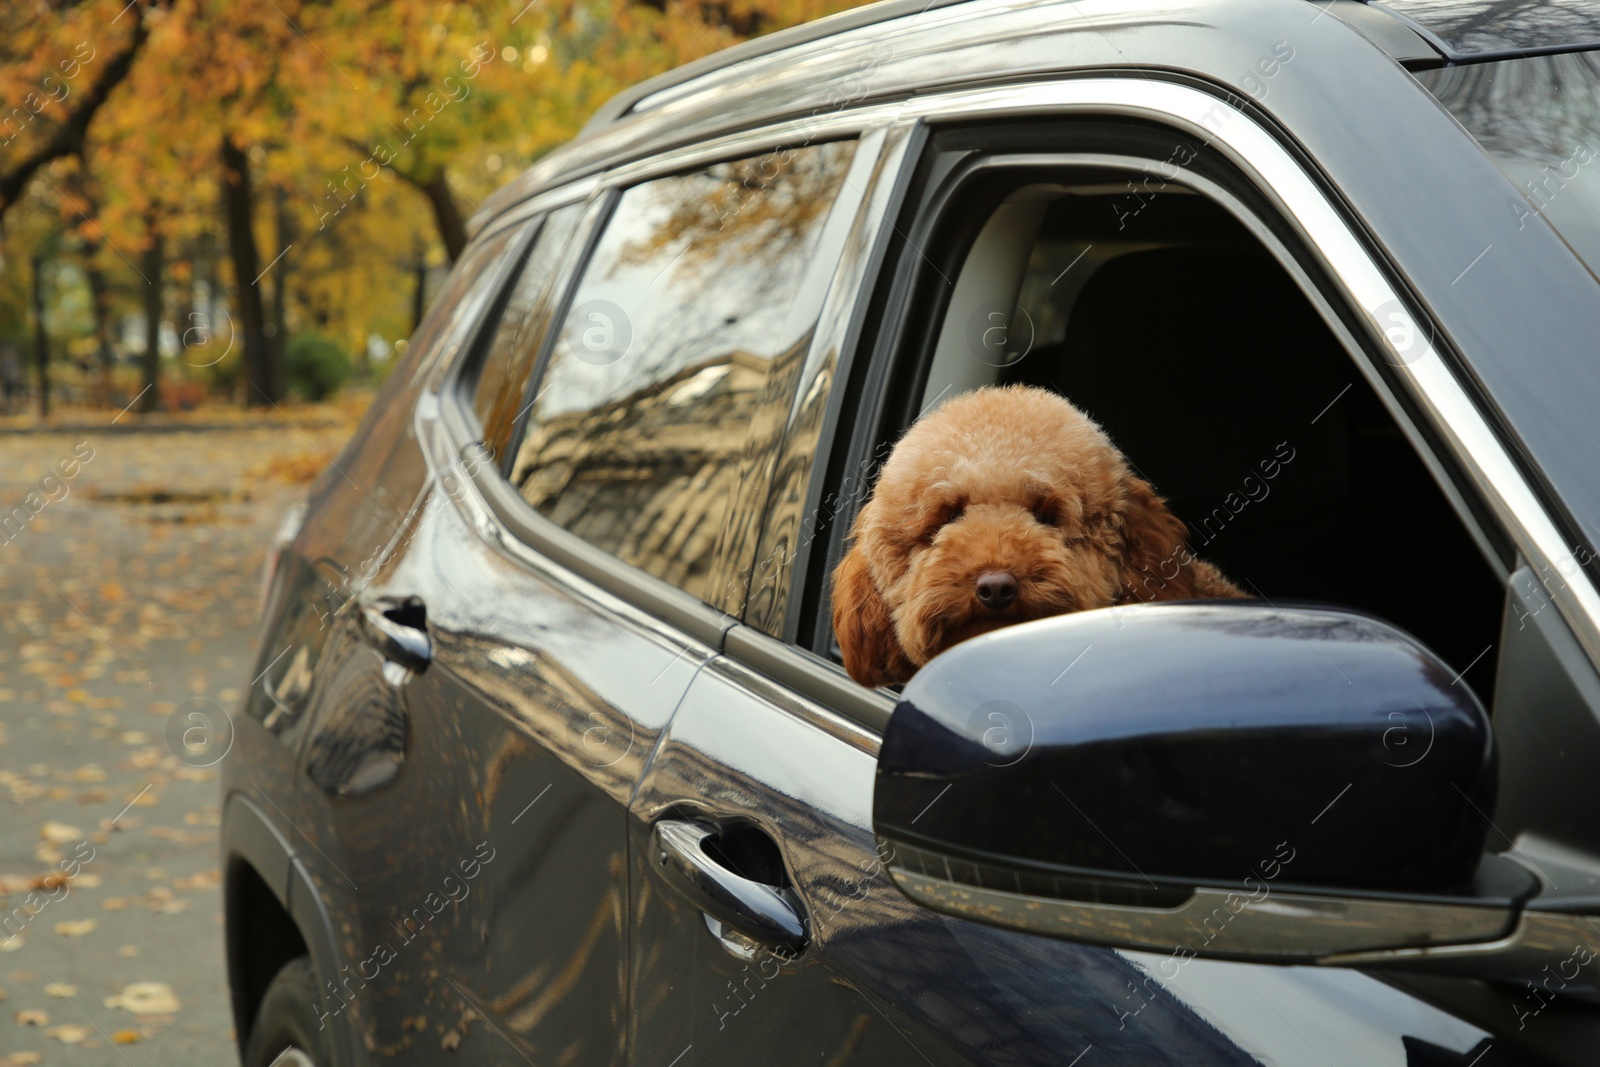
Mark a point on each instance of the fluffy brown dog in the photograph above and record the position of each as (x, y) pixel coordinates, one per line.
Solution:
(1003, 505)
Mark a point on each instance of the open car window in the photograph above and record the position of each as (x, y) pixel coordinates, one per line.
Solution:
(1154, 310)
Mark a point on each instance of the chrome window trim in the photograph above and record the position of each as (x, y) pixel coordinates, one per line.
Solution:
(812, 679)
(840, 125)
(549, 200)
(809, 692)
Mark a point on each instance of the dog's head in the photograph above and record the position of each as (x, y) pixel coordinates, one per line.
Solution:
(1001, 506)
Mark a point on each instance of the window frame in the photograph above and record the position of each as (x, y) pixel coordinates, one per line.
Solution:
(896, 383)
(460, 378)
(1445, 427)
(500, 513)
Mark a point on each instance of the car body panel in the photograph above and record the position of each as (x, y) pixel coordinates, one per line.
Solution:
(525, 744)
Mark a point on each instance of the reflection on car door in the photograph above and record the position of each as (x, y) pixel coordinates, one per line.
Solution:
(490, 855)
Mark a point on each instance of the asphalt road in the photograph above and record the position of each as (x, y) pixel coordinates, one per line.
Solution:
(128, 604)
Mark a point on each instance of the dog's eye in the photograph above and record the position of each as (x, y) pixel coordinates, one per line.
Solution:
(942, 519)
(1045, 512)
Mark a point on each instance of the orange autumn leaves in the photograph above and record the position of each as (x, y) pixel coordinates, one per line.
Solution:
(316, 93)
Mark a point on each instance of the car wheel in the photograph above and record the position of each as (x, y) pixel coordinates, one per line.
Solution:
(286, 1031)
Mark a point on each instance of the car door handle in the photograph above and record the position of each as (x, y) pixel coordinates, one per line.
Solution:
(766, 914)
(398, 630)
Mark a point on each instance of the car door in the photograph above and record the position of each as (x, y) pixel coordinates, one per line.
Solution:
(473, 748)
(754, 819)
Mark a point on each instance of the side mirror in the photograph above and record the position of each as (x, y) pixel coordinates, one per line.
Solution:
(1298, 784)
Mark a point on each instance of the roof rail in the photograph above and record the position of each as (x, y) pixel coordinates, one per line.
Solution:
(624, 102)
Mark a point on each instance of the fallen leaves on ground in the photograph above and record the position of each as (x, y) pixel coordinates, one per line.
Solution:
(24, 883)
(301, 468)
(130, 596)
(146, 998)
(69, 1033)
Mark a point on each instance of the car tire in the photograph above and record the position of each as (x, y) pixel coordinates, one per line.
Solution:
(288, 1022)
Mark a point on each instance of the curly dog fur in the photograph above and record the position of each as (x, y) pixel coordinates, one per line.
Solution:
(1003, 505)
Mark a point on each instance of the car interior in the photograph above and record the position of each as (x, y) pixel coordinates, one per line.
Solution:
(1169, 323)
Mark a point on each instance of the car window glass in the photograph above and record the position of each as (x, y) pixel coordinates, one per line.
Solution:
(497, 397)
(700, 283)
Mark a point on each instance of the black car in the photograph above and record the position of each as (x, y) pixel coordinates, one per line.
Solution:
(549, 757)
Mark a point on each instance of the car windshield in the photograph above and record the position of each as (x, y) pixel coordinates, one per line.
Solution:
(1539, 117)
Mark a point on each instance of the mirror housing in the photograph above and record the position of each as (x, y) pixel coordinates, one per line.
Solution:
(1196, 742)
(1231, 779)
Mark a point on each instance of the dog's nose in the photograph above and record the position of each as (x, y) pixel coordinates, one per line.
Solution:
(997, 589)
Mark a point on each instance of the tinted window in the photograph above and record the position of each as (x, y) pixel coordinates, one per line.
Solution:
(703, 288)
(521, 330)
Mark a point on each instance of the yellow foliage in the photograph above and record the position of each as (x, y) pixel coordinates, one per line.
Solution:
(352, 112)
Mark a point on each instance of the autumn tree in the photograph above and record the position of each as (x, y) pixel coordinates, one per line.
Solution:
(335, 150)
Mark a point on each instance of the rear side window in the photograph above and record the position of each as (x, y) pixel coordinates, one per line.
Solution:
(497, 397)
(700, 286)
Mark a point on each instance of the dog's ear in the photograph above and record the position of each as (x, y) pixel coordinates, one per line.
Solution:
(862, 623)
(1155, 549)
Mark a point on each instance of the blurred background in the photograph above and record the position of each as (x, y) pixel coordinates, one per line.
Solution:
(219, 224)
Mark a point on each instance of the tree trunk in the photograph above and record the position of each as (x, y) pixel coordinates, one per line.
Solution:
(278, 331)
(452, 229)
(41, 339)
(100, 306)
(153, 267)
(238, 207)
